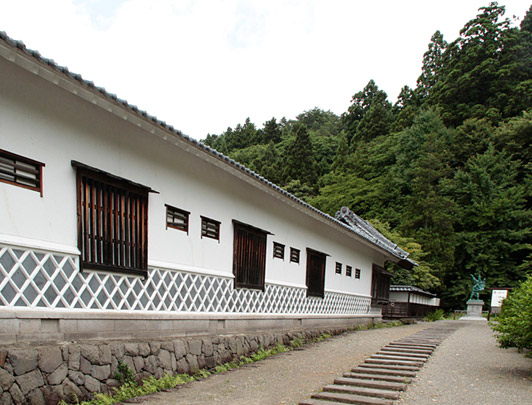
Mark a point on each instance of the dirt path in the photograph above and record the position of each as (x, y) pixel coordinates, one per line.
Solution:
(286, 378)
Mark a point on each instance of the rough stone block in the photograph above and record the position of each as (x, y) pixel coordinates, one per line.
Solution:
(58, 375)
(155, 347)
(85, 366)
(174, 364)
(76, 377)
(195, 347)
(168, 346)
(92, 384)
(131, 349)
(128, 361)
(139, 363)
(150, 364)
(30, 381)
(6, 380)
(91, 353)
(144, 349)
(16, 394)
(71, 392)
(3, 356)
(192, 363)
(74, 352)
(105, 354)
(165, 359)
(6, 399)
(50, 358)
(117, 350)
(179, 349)
(182, 366)
(207, 347)
(53, 394)
(201, 361)
(209, 361)
(35, 397)
(23, 360)
(101, 373)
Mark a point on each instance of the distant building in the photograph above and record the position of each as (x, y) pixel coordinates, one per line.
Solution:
(407, 301)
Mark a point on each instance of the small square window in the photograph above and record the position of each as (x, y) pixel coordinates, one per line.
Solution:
(348, 271)
(176, 218)
(338, 268)
(294, 255)
(210, 228)
(357, 273)
(278, 250)
(20, 171)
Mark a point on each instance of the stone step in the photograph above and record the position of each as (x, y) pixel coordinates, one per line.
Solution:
(369, 392)
(347, 399)
(403, 354)
(402, 357)
(361, 382)
(362, 374)
(389, 366)
(412, 345)
(406, 350)
(384, 371)
(393, 362)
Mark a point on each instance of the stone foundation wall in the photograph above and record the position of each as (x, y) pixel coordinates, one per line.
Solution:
(76, 370)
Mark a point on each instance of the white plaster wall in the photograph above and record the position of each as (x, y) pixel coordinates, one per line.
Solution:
(43, 122)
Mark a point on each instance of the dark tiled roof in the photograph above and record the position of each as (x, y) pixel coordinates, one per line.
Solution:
(104, 93)
(410, 288)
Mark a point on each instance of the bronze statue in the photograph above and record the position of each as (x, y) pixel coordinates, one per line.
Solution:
(479, 285)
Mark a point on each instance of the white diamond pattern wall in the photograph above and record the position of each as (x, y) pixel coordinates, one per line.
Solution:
(47, 280)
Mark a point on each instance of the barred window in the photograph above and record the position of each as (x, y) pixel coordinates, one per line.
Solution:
(338, 268)
(348, 271)
(210, 228)
(294, 255)
(278, 250)
(357, 273)
(249, 256)
(112, 222)
(177, 218)
(20, 171)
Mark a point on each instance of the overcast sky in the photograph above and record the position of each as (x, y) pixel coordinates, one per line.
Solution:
(205, 65)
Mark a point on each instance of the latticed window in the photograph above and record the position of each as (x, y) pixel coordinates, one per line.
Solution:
(357, 273)
(348, 271)
(249, 256)
(20, 171)
(210, 228)
(338, 268)
(278, 250)
(177, 218)
(294, 255)
(112, 222)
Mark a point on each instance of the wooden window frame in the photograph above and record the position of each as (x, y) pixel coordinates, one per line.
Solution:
(338, 268)
(315, 278)
(249, 256)
(210, 228)
(278, 250)
(349, 271)
(294, 255)
(21, 169)
(118, 209)
(357, 273)
(174, 212)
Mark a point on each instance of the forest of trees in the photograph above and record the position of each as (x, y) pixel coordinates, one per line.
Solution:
(445, 172)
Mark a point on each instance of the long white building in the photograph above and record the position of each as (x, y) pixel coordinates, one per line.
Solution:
(114, 224)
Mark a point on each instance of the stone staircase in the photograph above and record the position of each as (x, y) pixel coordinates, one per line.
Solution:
(382, 376)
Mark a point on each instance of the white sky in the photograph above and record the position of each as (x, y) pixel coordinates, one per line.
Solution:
(205, 65)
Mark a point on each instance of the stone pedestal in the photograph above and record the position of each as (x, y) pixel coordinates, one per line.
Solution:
(474, 311)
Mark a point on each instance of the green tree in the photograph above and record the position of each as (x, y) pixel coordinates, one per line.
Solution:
(433, 61)
(299, 159)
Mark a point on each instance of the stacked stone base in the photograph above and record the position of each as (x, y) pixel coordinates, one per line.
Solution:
(75, 371)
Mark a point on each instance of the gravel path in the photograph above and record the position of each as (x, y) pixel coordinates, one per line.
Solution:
(469, 368)
(286, 378)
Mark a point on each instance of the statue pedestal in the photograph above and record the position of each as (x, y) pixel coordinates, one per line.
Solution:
(474, 311)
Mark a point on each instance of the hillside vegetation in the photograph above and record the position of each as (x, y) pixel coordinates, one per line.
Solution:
(445, 172)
